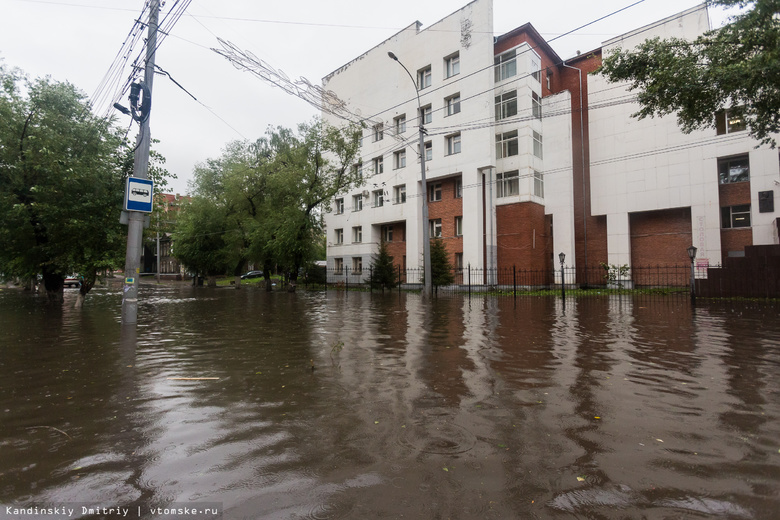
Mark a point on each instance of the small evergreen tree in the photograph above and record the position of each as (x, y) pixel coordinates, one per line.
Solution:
(382, 269)
(441, 269)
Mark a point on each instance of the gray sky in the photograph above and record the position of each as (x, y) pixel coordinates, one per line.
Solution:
(77, 41)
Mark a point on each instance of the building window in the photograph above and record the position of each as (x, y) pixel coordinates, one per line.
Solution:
(379, 132)
(379, 198)
(400, 124)
(731, 120)
(538, 145)
(339, 206)
(735, 216)
(399, 159)
(357, 203)
(357, 265)
(428, 151)
(399, 194)
(452, 104)
(452, 65)
(434, 228)
(453, 144)
(506, 105)
(424, 77)
(459, 261)
(536, 69)
(458, 188)
(434, 192)
(357, 234)
(505, 65)
(734, 169)
(379, 165)
(508, 183)
(506, 144)
(339, 236)
(536, 105)
(338, 265)
(387, 233)
(538, 184)
(426, 115)
(458, 226)
(357, 170)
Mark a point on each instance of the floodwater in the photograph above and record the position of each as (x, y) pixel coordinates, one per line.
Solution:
(362, 406)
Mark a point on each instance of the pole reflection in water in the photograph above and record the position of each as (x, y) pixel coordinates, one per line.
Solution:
(382, 405)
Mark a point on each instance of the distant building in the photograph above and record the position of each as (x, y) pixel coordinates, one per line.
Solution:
(528, 156)
(152, 257)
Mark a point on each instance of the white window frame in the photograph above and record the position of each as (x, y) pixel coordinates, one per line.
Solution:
(506, 105)
(730, 120)
(379, 165)
(399, 195)
(508, 184)
(538, 184)
(453, 144)
(459, 226)
(379, 132)
(452, 104)
(434, 228)
(357, 235)
(505, 65)
(357, 265)
(424, 78)
(400, 124)
(379, 198)
(536, 105)
(726, 172)
(458, 188)
(538, 150)
(399, 159)
(338, 266)
(339, 206)
(452, 65)
(506, 143)
(425, 114)
(357, 203)
(387, 233)
(339, 236)
(435, 192)
(736, 214)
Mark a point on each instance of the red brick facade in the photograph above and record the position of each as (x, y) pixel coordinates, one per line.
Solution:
(447, 210)
(523, 236)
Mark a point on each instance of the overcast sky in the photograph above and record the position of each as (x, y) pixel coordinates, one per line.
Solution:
(78, 40)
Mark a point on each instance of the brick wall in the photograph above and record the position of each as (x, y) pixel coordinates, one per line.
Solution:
(660, 238)
(523, 236)
(447, 209)
(397, 248)
(735, 240)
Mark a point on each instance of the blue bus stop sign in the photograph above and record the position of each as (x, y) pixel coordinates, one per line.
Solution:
(139, 194)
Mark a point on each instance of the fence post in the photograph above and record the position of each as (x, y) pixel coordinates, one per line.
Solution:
(346, 278)
(399, 279)
(469, 281)
(514, 280)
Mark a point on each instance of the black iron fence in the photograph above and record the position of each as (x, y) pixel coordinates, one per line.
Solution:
(514, 280)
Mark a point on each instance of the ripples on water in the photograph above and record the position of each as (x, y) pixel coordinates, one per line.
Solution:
(365, 406)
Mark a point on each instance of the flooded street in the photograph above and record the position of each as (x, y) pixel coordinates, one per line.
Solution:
(359, 406)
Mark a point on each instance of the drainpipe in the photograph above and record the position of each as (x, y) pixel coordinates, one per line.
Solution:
(582, 150)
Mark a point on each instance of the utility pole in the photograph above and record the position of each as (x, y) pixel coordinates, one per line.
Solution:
(135, 226)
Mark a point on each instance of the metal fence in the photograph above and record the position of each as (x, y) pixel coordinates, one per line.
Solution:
(513, 280)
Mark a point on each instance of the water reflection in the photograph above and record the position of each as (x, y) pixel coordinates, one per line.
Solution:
(356, 405)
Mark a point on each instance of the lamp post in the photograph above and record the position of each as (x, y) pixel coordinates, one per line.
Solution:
(562, 257)
(427, 274)
(692, 256)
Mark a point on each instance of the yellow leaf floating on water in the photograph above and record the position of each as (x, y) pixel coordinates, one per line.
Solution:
(580, 479)
(445, 469)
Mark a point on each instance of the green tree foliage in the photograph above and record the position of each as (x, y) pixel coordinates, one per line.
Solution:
(270, 195)
(62, 175)
(383, 273)
(441, 269)
(737, 65)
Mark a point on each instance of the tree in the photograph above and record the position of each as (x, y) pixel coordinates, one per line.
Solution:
(62, 171)
(441, 269)
(199, 238)
(737, 65)
(383, 272)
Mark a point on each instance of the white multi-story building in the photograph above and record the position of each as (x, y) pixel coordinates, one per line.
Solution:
(528, 156)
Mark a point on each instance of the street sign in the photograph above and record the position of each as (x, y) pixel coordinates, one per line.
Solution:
(139, 194)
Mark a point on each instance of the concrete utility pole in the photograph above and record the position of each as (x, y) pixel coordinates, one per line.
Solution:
(427, 269)
(135, 224)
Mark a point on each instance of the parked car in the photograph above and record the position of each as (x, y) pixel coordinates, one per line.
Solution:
(73, 280)
(252, 274)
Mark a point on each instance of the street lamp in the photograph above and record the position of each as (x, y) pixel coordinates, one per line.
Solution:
(562, 257)
(692, 256)
(427, 274)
